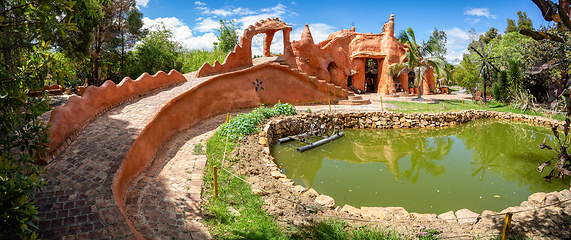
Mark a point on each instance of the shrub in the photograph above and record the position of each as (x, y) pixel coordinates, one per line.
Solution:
(245, 124)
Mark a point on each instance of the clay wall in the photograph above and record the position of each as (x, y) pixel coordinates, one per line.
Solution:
(66, 121)
(223, 93)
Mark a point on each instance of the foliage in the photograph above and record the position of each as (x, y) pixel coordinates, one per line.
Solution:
(466, 74)
(509, 47)
(563, 165)
(427, 234)
(192, 60)
(26, 28)
(523, 100)
(61, 69)
(490, 35)
(523, 22)
(418, 60)
(500, 88)
(538, 53)
(440, 39)
(245, 124)
(156, 52)
(228, 37)
(112, 37)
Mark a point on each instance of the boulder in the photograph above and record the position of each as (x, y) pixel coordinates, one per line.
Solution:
(325, 201)
(466, 216)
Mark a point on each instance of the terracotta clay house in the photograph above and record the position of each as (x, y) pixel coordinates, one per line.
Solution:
(358, 61)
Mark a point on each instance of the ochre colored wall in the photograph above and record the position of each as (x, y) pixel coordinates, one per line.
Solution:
(223, 93)
(67, 120)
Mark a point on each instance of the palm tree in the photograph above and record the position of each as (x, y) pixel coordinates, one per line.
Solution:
(419, 58)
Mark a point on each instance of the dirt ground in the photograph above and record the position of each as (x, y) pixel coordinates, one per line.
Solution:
(289, 206)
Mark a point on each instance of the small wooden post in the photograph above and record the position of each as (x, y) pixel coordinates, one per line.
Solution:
(462, 102)
(426, 104)
(329, 101)
(507, 223)
(382, 103)
(227, 117)
(215, 169)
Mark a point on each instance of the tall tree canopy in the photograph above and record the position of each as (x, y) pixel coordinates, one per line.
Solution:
(26, 26)
(420, 58)
(228, 38)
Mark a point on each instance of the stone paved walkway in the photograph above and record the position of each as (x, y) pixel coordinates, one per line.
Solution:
(165, 202)
(79, 201)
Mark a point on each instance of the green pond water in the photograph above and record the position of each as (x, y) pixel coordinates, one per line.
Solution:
(482, 165)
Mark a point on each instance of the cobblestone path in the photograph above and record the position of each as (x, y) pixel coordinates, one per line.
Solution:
(79, 203)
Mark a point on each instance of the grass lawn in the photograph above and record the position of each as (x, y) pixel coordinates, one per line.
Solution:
(457, 105)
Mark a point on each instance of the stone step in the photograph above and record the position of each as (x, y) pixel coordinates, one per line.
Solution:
(355, 97)
(354, 102)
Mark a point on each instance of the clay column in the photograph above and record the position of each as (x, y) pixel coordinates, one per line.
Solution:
(269, 36)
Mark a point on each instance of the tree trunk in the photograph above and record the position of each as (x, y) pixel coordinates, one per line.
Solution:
(6, 50)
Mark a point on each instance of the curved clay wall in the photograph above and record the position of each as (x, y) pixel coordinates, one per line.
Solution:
(223, 93)
(66, 121)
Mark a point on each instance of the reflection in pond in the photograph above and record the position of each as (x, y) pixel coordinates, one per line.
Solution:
(484, 164)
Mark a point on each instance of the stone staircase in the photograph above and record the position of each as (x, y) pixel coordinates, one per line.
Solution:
(352, 98)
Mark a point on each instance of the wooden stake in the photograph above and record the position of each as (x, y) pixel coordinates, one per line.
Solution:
(227, 117)
(382, 104)
(329, 101)
(507, 223)
(215, 169)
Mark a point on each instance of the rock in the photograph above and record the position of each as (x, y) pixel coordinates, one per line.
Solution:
(311, 193)
(552, 198)
(490, 216)
(325, 201)
(263, 141)
(566, 193)
(351, 210)
(277, 174)
(466, 216)
(257, 191)
(537, 199)
(372, 212)
(447, 216)
(527, 205)
(423, 217)
(299, 189)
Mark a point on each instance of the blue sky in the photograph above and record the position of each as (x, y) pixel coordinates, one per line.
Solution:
(194, 23)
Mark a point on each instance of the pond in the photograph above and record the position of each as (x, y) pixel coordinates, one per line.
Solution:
(485, 164)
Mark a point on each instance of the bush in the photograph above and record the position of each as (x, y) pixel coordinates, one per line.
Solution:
(245, 124)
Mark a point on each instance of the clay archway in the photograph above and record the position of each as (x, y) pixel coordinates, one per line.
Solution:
(241, 57)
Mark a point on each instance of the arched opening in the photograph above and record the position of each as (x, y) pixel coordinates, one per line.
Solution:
(371, 75)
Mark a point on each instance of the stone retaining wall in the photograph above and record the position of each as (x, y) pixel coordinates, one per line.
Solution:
(284, 127)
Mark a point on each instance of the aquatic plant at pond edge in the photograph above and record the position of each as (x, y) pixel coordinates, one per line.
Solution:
(563, 166)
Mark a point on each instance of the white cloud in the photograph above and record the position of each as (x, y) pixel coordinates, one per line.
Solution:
(293, 3)
(319, 32)
(480, 12)
(207, 25)
(199, 3)
(457, 43)
(472, 21)
(182, 33)
(142, 3)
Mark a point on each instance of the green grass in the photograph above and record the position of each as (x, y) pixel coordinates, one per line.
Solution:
(238, 214)
(192, 60)
(456, 105)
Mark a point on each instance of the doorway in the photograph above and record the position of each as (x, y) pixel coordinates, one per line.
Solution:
(371, 75)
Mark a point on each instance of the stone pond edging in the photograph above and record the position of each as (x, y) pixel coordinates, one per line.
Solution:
(283, 127)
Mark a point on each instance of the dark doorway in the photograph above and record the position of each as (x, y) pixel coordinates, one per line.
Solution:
(371, 72)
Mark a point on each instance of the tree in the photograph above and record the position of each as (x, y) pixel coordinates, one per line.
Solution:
(523, 22)
(26, 26)
(489, 35)
(156, 52)
(118, 31)
(466, 75)
(418, 60)
(511, 27)
(440, 39)
(228, 38)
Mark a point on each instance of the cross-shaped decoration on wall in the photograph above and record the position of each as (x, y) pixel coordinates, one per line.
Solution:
(258, 84)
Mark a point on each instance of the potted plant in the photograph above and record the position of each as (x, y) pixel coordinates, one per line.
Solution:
(387, 89)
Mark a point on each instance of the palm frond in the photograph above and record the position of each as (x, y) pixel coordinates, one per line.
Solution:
(397, 69)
